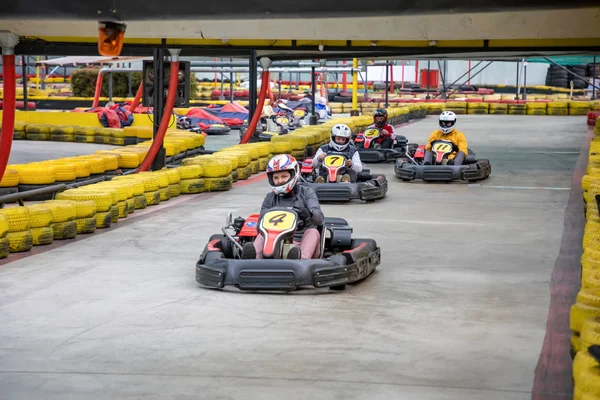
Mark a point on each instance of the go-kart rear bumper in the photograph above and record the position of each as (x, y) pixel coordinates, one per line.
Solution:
(477, 171)
(373, 189)
(287, 275)
(380, 155)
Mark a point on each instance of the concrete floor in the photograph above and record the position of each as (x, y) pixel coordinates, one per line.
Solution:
(456, 310)
(26, 151)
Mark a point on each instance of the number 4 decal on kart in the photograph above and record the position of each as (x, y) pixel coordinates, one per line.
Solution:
(278, 220)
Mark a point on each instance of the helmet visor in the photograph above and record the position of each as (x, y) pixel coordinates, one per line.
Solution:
(447, 124)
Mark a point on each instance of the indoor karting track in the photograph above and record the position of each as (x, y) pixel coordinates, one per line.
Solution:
(456, 310)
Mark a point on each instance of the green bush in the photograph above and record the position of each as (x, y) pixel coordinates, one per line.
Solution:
(83, 83)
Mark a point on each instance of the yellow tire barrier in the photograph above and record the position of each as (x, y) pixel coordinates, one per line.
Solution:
(10, 178)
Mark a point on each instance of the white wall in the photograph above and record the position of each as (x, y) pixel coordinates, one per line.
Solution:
(499, 72)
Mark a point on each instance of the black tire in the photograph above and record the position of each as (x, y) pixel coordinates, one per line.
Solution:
(8, 190)
(225, 245)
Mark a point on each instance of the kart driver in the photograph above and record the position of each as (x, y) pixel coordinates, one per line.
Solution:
(339, 144)
(283, 173)
(448, 131)
(387, 132)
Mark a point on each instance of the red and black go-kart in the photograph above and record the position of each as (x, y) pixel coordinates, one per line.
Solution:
(367, 187)
(343, 260)
(368, 144)
(441, 168)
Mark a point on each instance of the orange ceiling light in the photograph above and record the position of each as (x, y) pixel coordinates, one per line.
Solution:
(111, 36)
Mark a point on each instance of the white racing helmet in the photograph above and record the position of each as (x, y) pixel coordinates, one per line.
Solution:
(447, 122)
(340, 130)
(283, 162)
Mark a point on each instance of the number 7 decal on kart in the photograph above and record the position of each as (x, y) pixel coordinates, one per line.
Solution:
(333, 161)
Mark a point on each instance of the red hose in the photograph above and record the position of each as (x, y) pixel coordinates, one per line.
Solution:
(98, 90)
(138, 97)
(165, 120)
(258, 111)
(8, 110)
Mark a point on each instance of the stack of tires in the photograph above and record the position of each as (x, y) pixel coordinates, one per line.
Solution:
(585, 313)
(558, 77)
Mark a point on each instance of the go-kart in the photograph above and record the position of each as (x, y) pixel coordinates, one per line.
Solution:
(367, 187)
(285, 119)
(342, 261)
(442, 169)
(369, 147)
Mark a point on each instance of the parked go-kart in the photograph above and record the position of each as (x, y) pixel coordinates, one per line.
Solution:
(286, 119)
(342, 261)
(367, 187)
(442, 168)
(368, 144)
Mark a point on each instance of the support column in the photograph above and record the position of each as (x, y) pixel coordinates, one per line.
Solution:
(25, 97)
(387, 83)
(159, 105)
(231, 83)
(517, 85)
(313, 85)
(428, 80)
(354, 112)
(594, 74)
(252, 86)
(524, 97)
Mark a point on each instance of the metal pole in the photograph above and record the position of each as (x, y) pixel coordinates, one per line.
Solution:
(110, 82)
(572, 73)
(517, 96)
(279, 75)
(387, 85)
(159, 103)
(253, 85)
(443, 80)
(222, 96)
(524, 79)
(290, 84)
(428, 78)
(25, 97)
(354, 112)
(313, 118)
(594, 74)
(231, 83)
(462, 76)
(129, 79)
(298, 81)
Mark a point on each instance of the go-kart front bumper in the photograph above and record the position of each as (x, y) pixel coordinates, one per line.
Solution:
(373, 189)
(287, 275)
(477, 171)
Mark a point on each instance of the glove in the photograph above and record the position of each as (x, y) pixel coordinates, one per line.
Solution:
(303, 213)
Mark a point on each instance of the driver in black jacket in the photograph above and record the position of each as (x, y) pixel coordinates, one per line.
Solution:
(283, 173)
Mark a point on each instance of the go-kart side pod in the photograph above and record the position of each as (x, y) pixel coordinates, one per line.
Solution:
(350, 266)
(477, 171)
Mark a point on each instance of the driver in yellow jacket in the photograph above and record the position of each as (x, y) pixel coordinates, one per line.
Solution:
(448, 131)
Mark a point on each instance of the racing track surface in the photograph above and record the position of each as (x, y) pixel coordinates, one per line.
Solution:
(456, 310)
